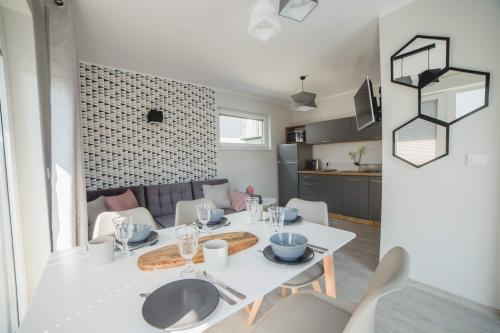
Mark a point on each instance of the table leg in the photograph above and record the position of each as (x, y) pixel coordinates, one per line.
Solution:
(283, 292)
(253, 312)
(329, 276)
(316, 286)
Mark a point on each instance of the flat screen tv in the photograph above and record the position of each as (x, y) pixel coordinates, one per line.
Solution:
(365, 105)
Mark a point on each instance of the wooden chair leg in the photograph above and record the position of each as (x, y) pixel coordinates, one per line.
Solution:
(316, 286)
(283, 292)
(255, 309)
(329, 276)
(295, 290)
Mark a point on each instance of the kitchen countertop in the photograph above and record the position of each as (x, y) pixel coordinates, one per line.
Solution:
(342, 173)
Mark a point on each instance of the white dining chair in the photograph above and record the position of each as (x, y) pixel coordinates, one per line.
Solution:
(315, 212)
(310, 311)
(185, 211)
(104, 223)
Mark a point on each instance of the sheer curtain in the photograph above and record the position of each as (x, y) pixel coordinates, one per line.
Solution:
(69, 214)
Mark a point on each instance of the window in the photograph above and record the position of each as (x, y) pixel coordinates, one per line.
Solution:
(243, 130)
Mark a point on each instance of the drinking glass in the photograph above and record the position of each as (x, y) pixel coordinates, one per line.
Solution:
(187, 241)
(124, 226)
(254, 209)
(276, 217)
(204, 210)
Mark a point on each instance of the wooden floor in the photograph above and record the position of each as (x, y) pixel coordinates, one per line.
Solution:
(417, 308)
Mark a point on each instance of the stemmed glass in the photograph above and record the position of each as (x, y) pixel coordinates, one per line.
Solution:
(187, 241)
(204, 210)
(124, 227)
(276, 217)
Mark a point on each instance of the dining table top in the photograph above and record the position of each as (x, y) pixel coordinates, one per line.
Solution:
(72, 296)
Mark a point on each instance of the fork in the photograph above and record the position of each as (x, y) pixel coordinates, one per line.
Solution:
(199, 275)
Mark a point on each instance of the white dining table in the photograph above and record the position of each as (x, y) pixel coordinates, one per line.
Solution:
(74, 297)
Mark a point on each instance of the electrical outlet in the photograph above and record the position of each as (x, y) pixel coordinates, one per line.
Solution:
(476, 160)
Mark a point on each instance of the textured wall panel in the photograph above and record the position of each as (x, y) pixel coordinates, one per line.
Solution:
(122, 149)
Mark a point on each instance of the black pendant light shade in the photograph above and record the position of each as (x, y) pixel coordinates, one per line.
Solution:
(303, 101)
(297, 10)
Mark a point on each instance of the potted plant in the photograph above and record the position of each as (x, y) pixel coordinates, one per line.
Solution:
(356, 155)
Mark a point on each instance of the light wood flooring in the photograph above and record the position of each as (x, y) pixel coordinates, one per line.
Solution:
(416, 309)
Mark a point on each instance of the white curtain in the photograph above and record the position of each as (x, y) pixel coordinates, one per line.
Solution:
(69, 210)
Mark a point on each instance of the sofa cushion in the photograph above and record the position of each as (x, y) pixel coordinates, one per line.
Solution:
(162, 199)
(165, 221)
(198, 189)
(124, 201)
(137, 190)
(219, 194)
(228, 211)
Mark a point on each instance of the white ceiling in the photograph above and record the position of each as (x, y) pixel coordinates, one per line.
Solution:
(206, 42)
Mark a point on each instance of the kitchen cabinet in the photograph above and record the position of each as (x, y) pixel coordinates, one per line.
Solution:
(355, 196)
(341, 130)
(329, 131)
(322, 188)
(375, 198)
(372, 132)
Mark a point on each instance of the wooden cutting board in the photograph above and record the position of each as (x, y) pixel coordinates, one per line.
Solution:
(168, 256)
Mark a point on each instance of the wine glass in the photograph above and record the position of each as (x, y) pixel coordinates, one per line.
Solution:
(187, 241)
(276, 217)
(204, 210)
(124, 227)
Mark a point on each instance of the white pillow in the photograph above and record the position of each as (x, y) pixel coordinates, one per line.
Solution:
(219, 194)
(94, 208)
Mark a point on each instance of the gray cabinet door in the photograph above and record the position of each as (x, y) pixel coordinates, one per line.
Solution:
(331, 191)
(314, 133)
(288, 181)
(373, 132)
(355, 196)
(375, 198)
(329, 131)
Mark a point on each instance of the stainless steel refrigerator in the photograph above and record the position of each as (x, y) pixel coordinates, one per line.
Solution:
(291, 158)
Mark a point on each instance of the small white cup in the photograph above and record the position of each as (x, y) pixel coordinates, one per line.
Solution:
(215, 253)
(101, 250)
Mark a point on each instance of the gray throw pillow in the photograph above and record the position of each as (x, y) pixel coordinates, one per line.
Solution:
(94, 208)
(219, 194)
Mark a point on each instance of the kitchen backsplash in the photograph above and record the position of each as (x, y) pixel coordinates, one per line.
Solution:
(337, 154)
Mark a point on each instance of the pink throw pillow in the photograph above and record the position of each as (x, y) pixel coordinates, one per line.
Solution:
(238, 200)
(121, 202)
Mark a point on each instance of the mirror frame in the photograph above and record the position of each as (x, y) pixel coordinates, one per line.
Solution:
(447, 127)
(447, 39)
(445, 123)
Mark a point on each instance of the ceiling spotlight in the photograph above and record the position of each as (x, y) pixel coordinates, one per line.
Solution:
(303, 101)
(264, 21)
(297, 10)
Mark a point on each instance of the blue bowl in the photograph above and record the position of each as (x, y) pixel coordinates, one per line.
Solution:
(288, 246)
(291, 213)
(140, 233)
(216, 215)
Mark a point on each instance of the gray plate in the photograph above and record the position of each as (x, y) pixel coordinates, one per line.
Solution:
(180, 304)
(153, 235)
(221, 221)
(298, 219)
(269, 254)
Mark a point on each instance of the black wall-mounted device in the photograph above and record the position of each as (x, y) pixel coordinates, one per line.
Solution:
(155, 116)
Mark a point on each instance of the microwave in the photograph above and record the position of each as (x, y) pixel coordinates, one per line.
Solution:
(296, 136)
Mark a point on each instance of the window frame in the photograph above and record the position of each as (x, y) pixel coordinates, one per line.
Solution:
(266, 130)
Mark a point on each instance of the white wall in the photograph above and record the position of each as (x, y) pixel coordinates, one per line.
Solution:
(333, 107)
(446, 214)
(23, 134)
(258, 168)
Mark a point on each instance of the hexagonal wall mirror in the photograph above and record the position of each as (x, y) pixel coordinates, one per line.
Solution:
(419, 60)
(454, 94)
(419, 142)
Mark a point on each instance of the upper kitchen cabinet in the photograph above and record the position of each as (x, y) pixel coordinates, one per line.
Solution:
(341, 130)
(372, 132)
(329, 131)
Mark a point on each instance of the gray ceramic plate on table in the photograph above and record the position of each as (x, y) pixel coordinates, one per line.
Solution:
(298, 219)
(271, 256)
(180, 304)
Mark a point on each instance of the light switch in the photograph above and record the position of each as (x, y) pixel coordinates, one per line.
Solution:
(476, 160)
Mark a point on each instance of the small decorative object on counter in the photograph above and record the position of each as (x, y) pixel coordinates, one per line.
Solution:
(250, 190)
(356, 155)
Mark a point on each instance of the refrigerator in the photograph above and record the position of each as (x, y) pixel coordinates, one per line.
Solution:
(291, 158)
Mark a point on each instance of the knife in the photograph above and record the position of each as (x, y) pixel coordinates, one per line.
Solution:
(318, 247)
(223, 285)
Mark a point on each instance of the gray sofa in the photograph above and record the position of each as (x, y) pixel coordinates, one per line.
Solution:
(161, 200)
